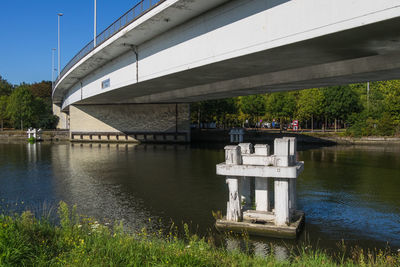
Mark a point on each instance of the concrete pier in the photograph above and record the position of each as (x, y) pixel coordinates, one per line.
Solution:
(245, 161)
(130, 123)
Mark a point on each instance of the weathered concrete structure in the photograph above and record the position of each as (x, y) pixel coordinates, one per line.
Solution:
(245, 161)
(146, 122)
(180, 51)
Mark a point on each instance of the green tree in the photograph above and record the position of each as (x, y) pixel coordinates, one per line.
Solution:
(221, 111)
(21, 106)
(5, 87)
(253, 105)
(372, 99)
(310, 105)
(3, 109)
(340, 102)
(282, 105)
(391, 101)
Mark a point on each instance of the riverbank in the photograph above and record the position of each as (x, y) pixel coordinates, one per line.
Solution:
(266, 136)
(222, 136)
(47, 135)
(81, 241)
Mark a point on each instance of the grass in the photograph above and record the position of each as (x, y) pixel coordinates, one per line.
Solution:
(80, 241)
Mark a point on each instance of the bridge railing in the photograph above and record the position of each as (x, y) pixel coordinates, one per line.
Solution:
(134, 13)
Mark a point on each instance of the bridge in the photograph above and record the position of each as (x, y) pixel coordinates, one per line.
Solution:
(138, 81)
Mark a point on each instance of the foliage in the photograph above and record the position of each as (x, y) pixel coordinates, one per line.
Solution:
(82, 241)
(5, 87)
(28, 105)
(364, 124)
(253, 105)
(386, 125)
(391, 102)
(363, 112)
(220, 111)
(20, 106)
(281, 105)
(340, 102)
(3, 109)
(310, 104)
(43, 116)
(42, 89)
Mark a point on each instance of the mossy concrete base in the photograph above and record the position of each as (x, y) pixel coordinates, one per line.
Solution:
(267, 229)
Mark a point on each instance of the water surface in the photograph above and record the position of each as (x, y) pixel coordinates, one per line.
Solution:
(347, 192)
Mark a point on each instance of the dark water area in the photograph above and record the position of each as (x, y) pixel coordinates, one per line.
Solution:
(349, 193)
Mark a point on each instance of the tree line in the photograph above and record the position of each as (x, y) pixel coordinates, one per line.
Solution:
(26, 105)
(361, 109)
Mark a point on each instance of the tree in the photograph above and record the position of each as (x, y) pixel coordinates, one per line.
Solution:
(340, 102)
(5, 87)
(21, 106)
(221, 111)
(391, 99)
(3, 109)
(42, 89)
(372, 100)
(310, 105)
(253, 105)
(282, 105)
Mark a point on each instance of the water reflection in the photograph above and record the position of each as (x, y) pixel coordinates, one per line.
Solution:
(258, 248)
(33, 152)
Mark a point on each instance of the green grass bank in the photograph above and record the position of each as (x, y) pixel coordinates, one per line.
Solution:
(80, 241)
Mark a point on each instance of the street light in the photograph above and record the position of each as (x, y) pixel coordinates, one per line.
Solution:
(52, 66)
(59, 15)
(95, 23)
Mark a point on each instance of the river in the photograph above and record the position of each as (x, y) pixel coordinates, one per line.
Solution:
(347, 192)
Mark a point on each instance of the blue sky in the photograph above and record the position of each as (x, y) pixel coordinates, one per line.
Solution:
(28, 32)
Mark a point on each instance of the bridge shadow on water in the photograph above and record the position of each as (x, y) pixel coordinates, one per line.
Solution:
(219, 138)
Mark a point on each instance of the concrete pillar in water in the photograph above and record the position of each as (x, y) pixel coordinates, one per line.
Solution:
(281, 185)
(233, 207)
(261, 194)
(282, 215)
(261, 184)
(245, 183)
(292, 182)
(240, 164)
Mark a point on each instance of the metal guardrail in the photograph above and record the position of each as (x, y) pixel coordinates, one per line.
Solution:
(134, 13)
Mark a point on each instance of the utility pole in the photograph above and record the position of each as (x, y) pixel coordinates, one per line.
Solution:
(58, 69)
(368, 96)
(95, 23)
(52, 66)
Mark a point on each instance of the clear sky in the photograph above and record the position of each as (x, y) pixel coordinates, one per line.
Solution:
(28, 32)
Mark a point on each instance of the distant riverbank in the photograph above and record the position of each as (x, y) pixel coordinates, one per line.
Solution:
(262, 136)
(48, 135)
(222, 136)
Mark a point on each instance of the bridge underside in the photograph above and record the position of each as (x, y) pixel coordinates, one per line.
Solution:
(236, 48)
(367, 53)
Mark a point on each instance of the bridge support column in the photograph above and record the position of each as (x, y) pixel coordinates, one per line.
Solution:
(63, 118)
(130, 123)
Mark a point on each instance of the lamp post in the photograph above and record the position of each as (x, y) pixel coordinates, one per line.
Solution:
(58, 69)
(95, 23)
(368, 96)
(52, 66)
